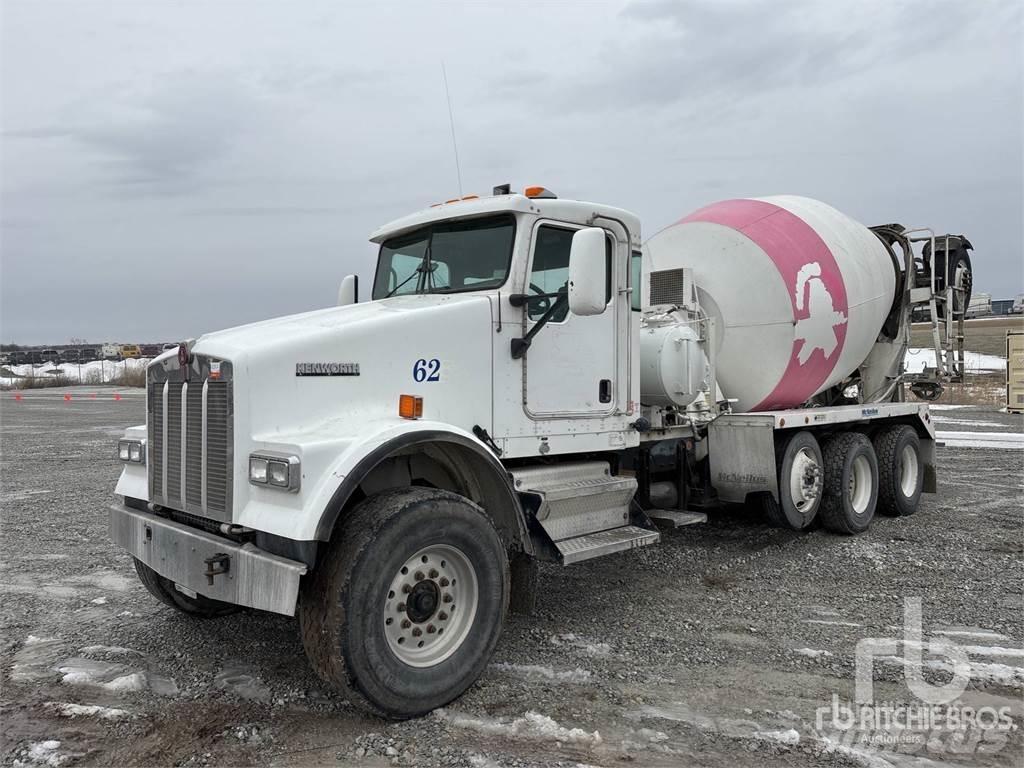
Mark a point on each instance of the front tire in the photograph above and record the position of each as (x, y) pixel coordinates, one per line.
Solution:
(407, 604)
(900, 470)
(851, 483)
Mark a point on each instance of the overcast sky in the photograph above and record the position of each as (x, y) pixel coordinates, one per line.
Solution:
(170, 168)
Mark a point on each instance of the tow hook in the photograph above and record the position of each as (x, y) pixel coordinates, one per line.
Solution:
(219, 563)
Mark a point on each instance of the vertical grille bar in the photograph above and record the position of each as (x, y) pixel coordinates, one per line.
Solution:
(206, 391)
(163, 439)
(184, 444)
(193, 443)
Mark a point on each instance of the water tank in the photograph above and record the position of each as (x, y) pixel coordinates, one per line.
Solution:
(798, 292)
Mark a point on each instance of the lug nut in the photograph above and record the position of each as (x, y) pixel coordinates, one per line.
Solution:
(433, 573)
(401, 607)
(431, 629)
(444, 581)
(447, 598)
(416, 632)
(442, 616)
(406, 623)
(419, 576)
(406, 589)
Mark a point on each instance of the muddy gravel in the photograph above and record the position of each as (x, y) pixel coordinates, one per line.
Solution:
(717, 647)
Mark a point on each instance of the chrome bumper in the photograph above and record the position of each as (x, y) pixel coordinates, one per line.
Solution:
(244, 574)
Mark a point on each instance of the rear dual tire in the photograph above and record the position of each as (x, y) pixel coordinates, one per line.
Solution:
(900, 470)
(851, 483)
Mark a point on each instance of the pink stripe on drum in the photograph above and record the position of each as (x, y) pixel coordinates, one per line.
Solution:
(816, 291)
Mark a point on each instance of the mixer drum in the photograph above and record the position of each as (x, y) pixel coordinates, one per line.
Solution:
(798, 292)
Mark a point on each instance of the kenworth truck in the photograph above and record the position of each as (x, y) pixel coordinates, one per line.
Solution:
(530, 382)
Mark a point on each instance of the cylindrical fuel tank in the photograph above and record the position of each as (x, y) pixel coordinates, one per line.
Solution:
(798, 292)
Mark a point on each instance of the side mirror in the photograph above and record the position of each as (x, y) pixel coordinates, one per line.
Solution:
(587, 268)
(348, 293)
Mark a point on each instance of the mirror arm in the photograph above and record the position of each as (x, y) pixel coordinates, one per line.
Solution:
(522, 299)
(519, 346)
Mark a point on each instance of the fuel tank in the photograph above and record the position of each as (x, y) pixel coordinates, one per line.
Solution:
(798, 292)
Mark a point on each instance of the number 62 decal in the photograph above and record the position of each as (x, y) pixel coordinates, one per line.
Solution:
(426, 370)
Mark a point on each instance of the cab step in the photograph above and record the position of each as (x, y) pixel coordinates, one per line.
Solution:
(676, 518)
(578, 498)
(601, 543)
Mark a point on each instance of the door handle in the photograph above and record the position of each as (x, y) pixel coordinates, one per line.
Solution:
(604, 391)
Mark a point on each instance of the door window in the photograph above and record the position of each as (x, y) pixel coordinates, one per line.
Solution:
(550, 272)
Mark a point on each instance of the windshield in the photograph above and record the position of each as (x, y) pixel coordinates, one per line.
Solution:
(447, 257)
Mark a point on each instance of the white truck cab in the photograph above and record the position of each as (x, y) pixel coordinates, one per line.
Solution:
(393, 469)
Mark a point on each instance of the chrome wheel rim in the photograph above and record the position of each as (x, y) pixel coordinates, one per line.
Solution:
(908, 471)
(860, 484)
(430, 605)
(804, 480)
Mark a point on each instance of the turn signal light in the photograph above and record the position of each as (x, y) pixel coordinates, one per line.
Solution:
(410, 406)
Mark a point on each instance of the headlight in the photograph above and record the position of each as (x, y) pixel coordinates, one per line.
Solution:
(131, 451)
(278, 470)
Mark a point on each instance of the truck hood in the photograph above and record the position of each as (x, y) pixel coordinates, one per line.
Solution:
(283, 333)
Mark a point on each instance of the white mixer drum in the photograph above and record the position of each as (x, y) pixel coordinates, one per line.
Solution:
(798, 292)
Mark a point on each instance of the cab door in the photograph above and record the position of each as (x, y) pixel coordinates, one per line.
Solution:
(570, 368)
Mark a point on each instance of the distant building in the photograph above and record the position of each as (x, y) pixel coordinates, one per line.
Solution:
(1002, 306)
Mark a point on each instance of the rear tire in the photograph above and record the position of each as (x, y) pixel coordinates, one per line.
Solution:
(900, 470)
(799, 472)
(164, 590)
(405, 568)
(851, 483)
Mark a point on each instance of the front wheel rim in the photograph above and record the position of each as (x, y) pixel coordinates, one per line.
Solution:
(430, 605)
(908, 471)
(860, 485)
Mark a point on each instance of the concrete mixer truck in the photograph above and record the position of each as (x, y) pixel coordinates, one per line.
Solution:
(531, 381)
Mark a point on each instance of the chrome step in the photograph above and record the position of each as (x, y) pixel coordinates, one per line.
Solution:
(577, 498)
(676, 518)
(593, 545)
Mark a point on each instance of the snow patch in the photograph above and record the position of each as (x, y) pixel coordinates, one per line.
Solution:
(790, 736)
(536, 671)
(44, 753)
(532, 725)
(588, 647)
(1004, 440)
(826, 623)
(113, 650)
(976, 634)
(99, 601)
(67, 709)
(812, 653)
(919, 358)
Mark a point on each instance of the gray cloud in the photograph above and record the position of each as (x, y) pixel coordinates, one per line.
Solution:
(161, 169)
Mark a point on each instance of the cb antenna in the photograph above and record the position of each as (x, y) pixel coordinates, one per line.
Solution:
(451, 121)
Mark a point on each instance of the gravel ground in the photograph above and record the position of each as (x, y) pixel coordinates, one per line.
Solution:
(715, 648)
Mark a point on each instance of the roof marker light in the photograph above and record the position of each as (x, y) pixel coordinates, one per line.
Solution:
(540, 193)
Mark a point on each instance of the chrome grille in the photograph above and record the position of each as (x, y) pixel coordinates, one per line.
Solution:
(190, 438)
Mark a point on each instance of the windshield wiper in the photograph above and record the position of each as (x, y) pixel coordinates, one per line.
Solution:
(426, 266)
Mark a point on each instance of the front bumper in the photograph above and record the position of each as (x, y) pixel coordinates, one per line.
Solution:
(253, 577)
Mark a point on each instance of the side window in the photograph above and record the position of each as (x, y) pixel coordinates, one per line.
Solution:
(635, 279)
(550, 270)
